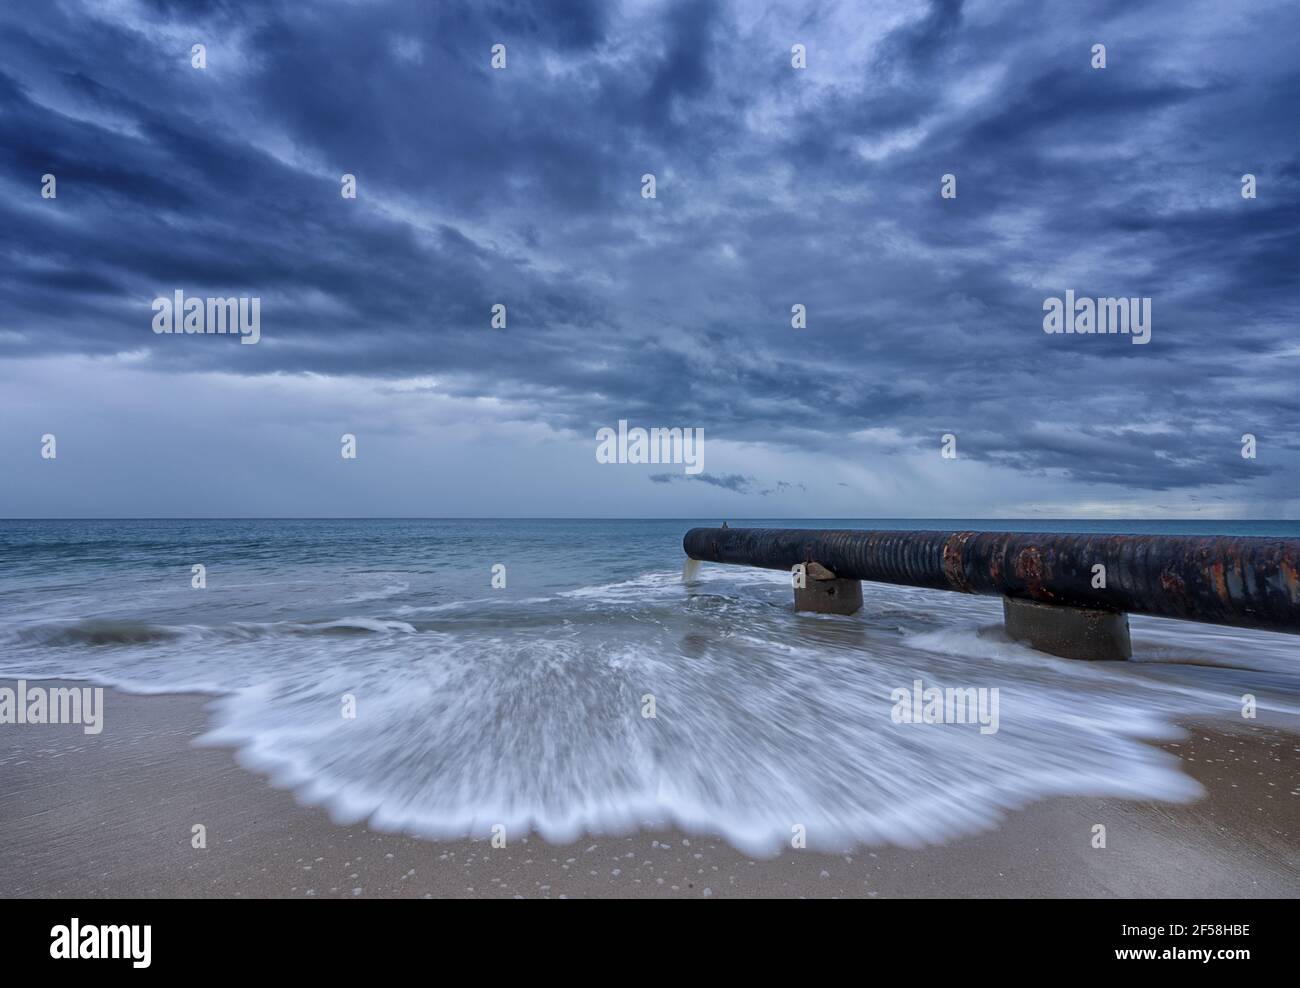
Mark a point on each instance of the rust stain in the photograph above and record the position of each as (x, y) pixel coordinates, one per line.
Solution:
(1219, 578)
(1029, 567)
(954, 570)
(1292, 578)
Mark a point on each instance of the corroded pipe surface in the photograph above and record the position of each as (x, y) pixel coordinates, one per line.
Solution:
(1246, 582)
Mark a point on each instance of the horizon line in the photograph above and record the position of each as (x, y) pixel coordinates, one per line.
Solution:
(623, 518)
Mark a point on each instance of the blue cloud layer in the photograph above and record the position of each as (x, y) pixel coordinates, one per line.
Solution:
(775, 187)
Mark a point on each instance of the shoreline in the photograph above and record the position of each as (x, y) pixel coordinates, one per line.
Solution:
(113, 815)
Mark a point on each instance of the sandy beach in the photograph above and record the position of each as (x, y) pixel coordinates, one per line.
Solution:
(113, 816)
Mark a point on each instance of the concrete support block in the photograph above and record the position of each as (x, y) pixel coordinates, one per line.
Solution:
(824, 593)
(1070, 632)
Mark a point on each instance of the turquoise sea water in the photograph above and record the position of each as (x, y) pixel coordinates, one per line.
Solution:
(524, 705)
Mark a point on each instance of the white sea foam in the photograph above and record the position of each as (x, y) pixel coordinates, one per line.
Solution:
(527, 711)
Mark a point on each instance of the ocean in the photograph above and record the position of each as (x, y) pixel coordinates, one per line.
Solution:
(526, 706)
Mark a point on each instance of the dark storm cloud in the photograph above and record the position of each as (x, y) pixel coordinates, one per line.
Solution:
(933, 32)
(522, 186)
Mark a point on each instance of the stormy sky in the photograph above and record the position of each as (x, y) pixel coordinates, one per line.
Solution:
(775, 186)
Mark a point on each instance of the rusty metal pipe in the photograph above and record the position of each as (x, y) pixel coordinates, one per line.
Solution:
(1245, 582)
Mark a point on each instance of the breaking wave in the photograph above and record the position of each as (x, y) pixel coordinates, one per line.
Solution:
(528, 707)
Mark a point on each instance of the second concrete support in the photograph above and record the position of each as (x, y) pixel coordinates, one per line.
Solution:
(1070, 632)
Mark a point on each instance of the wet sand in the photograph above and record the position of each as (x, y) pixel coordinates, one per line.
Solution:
(112, 816)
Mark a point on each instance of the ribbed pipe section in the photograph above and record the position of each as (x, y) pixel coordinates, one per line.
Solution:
(1233, 580)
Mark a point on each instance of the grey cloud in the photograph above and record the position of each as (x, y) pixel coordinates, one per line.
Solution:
(522, 187)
